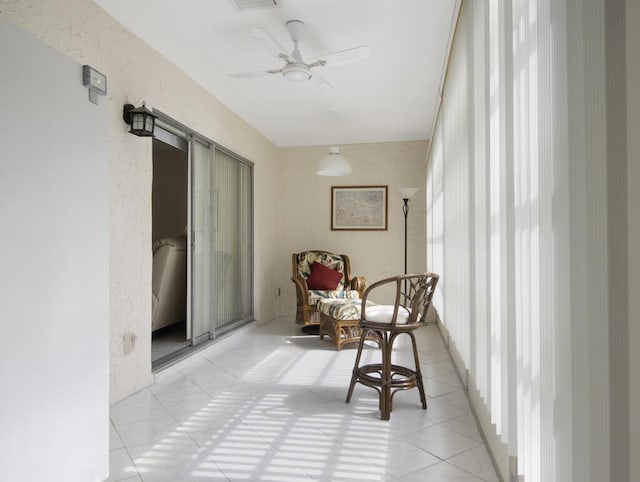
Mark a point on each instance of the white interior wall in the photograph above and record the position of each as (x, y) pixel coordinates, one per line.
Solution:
(135, 72)
(305, 211)
(633, 193)
(54, 360)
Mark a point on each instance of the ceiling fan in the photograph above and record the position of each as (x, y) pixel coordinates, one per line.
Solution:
(295, 68)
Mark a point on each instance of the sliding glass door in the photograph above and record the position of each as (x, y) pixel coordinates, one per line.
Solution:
(222, 246)
(202, 262)
(219, 236)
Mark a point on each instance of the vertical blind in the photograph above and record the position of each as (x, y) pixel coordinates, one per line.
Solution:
(517, 223)
(233, 236)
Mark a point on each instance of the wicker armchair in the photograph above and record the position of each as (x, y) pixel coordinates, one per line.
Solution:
(302, 266)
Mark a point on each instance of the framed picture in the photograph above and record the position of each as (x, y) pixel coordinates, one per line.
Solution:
(359, 208)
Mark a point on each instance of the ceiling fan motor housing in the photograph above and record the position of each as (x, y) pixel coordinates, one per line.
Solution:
(295, 28)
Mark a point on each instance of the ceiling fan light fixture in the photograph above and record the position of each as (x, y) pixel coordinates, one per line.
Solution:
(296, 72)
(333, 164)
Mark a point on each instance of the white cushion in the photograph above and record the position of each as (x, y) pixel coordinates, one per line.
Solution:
(384, 314)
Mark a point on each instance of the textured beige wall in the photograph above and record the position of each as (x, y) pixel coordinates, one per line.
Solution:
(84, 32)
(633, 186)
(306, 216)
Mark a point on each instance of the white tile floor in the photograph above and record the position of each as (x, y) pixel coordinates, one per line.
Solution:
(267, 403)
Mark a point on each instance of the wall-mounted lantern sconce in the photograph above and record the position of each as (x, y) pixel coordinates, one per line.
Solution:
(141, 120)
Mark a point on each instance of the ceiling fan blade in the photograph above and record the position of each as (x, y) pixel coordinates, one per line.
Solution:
(258, 73)
(343, 56)
(320, 81)
(269, 43)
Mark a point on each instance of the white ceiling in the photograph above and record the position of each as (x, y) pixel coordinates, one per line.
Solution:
(391, 96)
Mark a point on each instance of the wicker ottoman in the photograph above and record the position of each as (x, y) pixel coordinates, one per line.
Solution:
(339, 320)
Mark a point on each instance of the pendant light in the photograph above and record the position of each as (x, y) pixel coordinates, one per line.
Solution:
(334, 164)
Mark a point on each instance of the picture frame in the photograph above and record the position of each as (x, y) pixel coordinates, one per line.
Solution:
(359, 208)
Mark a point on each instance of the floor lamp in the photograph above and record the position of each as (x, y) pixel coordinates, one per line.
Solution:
(406, 193)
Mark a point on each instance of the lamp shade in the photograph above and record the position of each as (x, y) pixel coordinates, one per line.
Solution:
(407, 192)
(334, 164)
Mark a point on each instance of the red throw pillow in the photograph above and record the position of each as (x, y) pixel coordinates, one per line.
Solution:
(323, 278)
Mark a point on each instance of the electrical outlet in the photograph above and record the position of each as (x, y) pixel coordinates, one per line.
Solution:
(128, 342)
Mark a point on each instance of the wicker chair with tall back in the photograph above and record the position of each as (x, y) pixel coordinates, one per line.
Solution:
(318, 275)
(413, 294)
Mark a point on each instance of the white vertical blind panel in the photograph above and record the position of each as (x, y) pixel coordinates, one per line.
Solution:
(620, 164)
(480, 343)
(436, 215)
(429, 225)
(547, 341)
(525, 203)
(592, 368)
(509, 344)
(596, 298)
(577, 270)
(496, 348)
(561, 279)
(456, 196)
(631, 220)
